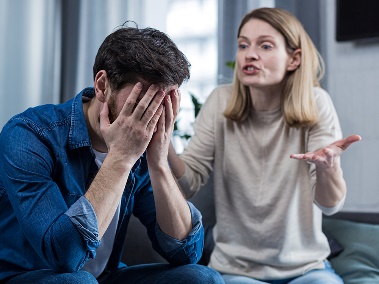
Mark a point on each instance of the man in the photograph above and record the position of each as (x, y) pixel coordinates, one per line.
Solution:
(72, 174)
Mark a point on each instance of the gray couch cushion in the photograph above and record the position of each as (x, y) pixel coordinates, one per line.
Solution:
(359, 261)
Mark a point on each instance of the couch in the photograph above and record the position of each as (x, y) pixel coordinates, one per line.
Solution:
(353, 238)
(357, 238)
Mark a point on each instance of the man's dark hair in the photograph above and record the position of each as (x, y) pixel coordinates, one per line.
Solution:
(131, 54)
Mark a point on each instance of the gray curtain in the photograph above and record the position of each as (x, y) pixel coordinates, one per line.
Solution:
(29, 54)
(47, 47)
(85, 24)
(308, 12)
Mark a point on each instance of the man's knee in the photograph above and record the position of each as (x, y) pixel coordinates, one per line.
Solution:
(82, 277)
(49, 276)
(199, 274)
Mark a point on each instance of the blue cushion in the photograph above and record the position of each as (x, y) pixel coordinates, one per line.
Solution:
(358, 263)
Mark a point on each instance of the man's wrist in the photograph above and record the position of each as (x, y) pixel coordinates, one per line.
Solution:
(119, 163)
(159, 168)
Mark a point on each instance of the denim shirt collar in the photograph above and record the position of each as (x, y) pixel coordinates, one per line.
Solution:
(78, 135)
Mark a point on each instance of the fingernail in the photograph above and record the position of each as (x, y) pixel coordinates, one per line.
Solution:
(139, 85)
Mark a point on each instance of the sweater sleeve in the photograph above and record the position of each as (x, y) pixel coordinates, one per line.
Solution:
(199, 154)
(328, 128)
(322, 134)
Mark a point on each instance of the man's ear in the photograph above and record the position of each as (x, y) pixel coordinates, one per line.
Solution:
(295, 60)
(101, 85)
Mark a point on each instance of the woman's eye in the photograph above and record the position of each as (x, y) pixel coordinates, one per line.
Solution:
(266, 46)
(242, 46)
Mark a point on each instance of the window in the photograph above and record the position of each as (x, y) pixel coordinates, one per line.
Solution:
(192, 24)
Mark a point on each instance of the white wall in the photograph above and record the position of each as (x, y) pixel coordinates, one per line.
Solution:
(352, 80)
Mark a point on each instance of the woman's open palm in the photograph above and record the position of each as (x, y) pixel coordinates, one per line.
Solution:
(326, 157)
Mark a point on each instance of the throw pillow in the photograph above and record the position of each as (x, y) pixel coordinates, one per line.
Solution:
(358, 263)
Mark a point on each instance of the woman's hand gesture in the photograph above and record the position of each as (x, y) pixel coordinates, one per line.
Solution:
(326, 157)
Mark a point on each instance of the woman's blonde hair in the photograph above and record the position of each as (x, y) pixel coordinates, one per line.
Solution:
(298, 103)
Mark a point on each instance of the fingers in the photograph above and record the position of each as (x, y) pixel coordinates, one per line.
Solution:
(149, 104)
(104, 116)
(132, 99)
(297, 156)
(155, 123)
(307, 156)
(143, 106)
(169, 112)
(345, 143)
(162, 120)
(329, 153)
(175, 99)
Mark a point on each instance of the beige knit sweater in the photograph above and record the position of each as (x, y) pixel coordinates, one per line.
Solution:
(268, 226)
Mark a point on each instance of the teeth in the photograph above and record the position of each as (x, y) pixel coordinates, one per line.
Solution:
(250, 68)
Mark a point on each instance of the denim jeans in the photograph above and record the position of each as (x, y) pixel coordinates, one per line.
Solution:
(139, 274)
(51, 277)
(317, 276)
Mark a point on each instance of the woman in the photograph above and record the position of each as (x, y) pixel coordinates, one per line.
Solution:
(269, 206)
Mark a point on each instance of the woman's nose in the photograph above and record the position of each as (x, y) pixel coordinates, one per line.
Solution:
(251, 54)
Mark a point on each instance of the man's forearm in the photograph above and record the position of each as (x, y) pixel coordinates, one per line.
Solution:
(106, 190)
(173, 213)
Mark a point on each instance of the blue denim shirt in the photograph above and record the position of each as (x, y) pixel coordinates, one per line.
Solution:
(46, 166)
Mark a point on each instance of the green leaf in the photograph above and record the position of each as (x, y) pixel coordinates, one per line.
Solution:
(231, 64)
(196, 104)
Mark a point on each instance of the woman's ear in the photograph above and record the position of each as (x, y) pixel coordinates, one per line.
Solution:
(101, 84)
(295, 60)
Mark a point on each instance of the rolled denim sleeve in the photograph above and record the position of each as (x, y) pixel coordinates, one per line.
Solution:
(188, 250)
(83, 216)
